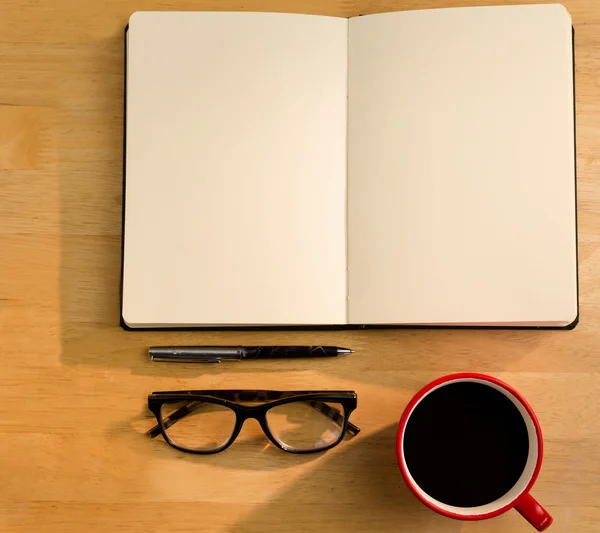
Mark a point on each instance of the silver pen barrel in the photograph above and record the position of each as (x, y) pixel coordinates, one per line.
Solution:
(192, 354)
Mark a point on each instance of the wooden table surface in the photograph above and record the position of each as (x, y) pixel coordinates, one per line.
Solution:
(73, 384)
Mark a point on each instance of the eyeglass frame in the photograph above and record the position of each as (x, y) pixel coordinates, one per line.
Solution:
(271, 398)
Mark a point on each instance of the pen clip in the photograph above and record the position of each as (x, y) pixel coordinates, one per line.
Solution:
(211, 360)
(196, 359)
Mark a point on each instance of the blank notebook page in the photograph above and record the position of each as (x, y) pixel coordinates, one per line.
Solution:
(235, 169)
(461, 167)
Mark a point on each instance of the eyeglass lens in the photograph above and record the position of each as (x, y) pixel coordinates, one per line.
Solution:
(198, 426)
(304, 425)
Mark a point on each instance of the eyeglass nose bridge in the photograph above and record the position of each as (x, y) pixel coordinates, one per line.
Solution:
(246, 412)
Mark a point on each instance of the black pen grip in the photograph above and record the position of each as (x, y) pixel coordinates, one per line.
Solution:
(285, 352)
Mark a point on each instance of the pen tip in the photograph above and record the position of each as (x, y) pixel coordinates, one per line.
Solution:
(344, 350)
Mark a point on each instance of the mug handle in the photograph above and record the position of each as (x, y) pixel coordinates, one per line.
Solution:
(533, 512)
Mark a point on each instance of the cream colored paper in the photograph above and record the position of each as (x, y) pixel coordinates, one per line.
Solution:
(461, 167)
(236, 169)
(460, 184)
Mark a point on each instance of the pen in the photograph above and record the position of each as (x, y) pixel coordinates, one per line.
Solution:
(216, 354)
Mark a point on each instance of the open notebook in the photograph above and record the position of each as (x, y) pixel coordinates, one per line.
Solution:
(409, 168)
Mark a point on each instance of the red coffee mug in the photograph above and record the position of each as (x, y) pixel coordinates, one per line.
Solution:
(518, 496)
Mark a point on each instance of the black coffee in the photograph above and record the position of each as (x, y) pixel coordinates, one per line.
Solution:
(466, 444)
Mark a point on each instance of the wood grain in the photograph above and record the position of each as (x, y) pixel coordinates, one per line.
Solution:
(73, 455)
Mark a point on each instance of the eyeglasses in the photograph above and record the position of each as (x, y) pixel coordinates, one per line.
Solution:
(208, 421)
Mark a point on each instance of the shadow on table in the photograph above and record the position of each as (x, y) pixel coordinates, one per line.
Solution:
(356, 488)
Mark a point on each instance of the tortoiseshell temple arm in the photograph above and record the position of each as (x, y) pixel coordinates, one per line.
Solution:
(241, 395)
(334, 414)
(320, 406)
(182, 412)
